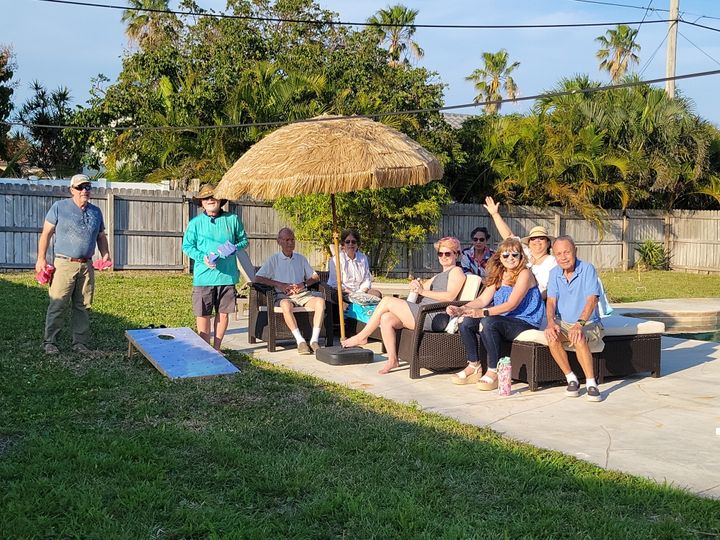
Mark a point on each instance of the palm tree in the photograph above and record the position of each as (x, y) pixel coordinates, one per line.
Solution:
(145, 27)
(491, 77)
(395, 26)
(618, 50)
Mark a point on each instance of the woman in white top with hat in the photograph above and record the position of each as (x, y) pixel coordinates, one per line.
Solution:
(536, 245)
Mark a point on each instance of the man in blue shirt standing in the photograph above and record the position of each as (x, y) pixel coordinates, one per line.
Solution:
(78, 227)
(573, 318)
(211, 240)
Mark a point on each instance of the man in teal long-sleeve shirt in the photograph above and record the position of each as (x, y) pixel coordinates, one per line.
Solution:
(208, 236)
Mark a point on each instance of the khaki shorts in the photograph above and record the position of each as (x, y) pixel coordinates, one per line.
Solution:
(592, 331)
(299, 299)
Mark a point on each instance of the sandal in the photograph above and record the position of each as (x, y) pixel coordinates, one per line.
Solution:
(464, 378)
(486, 382)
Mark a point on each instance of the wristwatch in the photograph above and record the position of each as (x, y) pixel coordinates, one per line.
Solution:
(486, 312)
(581, 322)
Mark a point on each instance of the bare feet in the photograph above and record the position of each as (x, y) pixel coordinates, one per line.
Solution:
(354, 341)
(388, 367)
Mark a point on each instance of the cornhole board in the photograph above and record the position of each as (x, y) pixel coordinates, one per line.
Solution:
(178, 353)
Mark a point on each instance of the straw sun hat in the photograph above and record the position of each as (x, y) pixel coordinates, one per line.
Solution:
(537, 232)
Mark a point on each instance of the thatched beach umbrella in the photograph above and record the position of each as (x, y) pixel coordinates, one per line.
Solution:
(329, 154)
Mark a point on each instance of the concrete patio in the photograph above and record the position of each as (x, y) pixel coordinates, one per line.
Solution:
(666, 429)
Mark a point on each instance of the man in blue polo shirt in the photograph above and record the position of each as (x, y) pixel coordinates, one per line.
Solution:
(78, 227)
(214, 276)
(573, 319)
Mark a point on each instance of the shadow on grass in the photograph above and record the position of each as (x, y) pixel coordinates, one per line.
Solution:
(108, 447)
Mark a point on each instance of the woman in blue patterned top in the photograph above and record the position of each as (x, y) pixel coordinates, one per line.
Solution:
(474, 259)
(510, 304)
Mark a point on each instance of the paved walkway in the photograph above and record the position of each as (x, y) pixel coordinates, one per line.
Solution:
(667, 429)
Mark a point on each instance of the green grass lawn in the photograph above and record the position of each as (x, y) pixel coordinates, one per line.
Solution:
(635, 286)
(107, 447)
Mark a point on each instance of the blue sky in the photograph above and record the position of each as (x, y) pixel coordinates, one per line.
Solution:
(67, 45)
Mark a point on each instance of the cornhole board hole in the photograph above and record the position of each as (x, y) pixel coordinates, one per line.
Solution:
(178, 353)
(337, 356)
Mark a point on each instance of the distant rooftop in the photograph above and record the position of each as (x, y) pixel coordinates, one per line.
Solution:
(456, 120)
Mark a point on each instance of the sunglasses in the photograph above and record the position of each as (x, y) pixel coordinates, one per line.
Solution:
(513, 254)
(445, 253)
(350, 242)
(83, 187)
(479, 239)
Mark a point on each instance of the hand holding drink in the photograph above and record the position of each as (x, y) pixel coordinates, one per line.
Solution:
(415, 288)
(44, 276)
(102, 264)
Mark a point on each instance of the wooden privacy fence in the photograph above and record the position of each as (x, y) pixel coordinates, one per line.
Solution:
(145, 231)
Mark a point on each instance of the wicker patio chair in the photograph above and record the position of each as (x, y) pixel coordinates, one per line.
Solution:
(266, 322)
(436, 351)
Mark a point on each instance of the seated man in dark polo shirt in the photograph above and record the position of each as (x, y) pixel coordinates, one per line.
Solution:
(78, 227)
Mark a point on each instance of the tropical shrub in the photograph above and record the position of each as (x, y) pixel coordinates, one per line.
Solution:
(652, 256)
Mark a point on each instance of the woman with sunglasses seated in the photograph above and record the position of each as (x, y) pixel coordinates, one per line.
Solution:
(473, 259)
(510, 304)
(354, 267)
(393, 314)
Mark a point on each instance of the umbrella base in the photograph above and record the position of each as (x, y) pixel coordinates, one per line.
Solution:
(337, 356)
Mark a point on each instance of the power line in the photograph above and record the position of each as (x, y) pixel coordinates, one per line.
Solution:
(699, 25)
(375, 115)
(616, 4)
(344, 23)
(652, 56)
(637, 31)
(699, 49)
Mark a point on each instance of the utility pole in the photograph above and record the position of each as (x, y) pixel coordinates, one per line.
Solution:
(672, 48)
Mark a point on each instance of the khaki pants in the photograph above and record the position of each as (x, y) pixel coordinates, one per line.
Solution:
(73, 283)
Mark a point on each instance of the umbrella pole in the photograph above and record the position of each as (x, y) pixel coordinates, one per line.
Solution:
(338, 272)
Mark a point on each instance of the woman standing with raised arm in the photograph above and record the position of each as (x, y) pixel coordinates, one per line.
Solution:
(536, 246)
